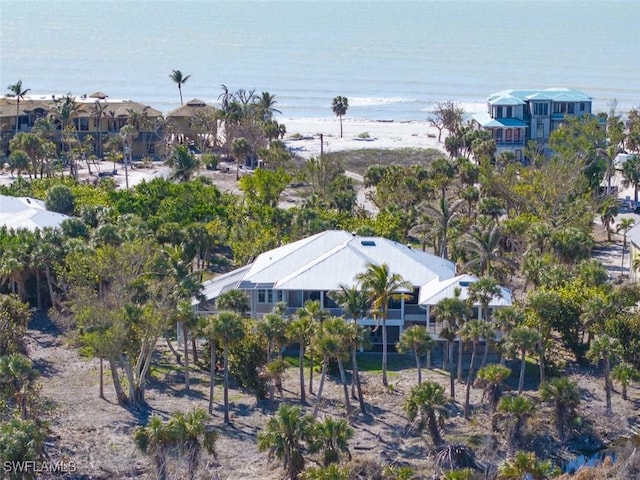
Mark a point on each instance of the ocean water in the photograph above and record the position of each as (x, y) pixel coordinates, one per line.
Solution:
(392, 59)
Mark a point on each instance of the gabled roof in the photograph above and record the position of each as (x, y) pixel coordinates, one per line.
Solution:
(326, 260)
(27, 213)
(436, 290)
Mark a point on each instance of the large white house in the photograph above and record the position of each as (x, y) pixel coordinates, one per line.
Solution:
(515, 117)
(18, 213)
(312, 267)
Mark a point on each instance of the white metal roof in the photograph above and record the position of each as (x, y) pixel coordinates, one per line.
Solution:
(326, 260)
(27, 213)
(435, 290)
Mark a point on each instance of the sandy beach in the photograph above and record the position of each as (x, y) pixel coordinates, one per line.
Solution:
(303, 135)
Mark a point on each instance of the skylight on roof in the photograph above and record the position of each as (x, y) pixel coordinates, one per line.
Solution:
(367, 243)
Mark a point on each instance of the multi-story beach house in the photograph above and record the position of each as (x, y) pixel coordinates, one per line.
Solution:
(311, 268)
(515, 117)
(92, 115)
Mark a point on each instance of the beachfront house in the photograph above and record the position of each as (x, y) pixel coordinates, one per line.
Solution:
(94, 116)
(311, 268)
(193, 123)
(515, 117)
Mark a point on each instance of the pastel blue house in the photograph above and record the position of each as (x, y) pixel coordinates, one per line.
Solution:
(515, 117)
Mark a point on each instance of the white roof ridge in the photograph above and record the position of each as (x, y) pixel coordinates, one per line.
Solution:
(303, 242)
(316, 261)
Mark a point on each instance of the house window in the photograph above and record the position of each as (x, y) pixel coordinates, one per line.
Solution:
(498, 135)
(499, 112)
(540, 129)
(509, 112)
(570, 108)
(516, 135)
(279, 296)
(82, 124)
(519, 155)
(582, 106)
(540, 108)
(508, 135)
(265, 296)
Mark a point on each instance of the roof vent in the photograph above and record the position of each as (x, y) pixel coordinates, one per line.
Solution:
(367, 243)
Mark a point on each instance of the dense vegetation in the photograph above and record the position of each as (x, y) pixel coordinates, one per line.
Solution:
(121, 273)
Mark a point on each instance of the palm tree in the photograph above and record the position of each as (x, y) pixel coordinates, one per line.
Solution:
(482, 243)
(184, 164)
(285, 435)
(229, 330)
(339, 106)
(605, 348)
(233, 301)
(424, 405)
(624, 373)
(438, 220)
(317, 314)
(208, 327)
(179, 79)
(525, 465)
(273, 327)
(17, 381)
(332, 436)
(190, 436)
(128, 133)
(505, 320)
(337, 327)
(516, 411)
(450, 313)
(353, 301)
(416, 339)
(382, 286)
(188, 320)
(631, 176)
(491, 378)
(522, 339)
(357, 337)
(624, 226)
(565, 395)
(328, 345)
(19, 94)
(301, 330)
(471, 332)
(155, 439)
(239, 149)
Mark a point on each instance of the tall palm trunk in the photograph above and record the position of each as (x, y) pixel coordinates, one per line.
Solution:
(607, 381)
(467, 392)
(460, 349)
(452, 380)
(522, 368)
(385, 382)
(345, 387)
(186, 356)
(303, 398)
(212, 375)
(47, 272)
(310, 370)
(319, 396)
(226, 384)
(356, 374)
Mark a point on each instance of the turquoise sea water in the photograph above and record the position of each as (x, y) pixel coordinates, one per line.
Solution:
(392, 59)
